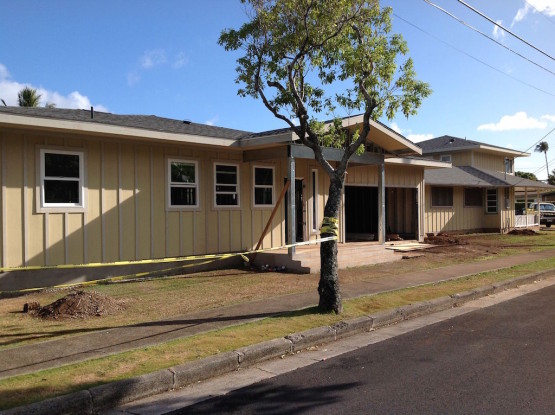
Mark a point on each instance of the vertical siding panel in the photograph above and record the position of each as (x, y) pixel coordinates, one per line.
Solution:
(25, 203)
(13, 200)
(187, 232)
(200, 237)
(93, 207)
(158, 204)
(56, 246)
(224, 219)
(127, 203)
(110, 196)
(235, 231)
(173, 232)
(2, 200)
(143, 202)
(74, 239)
(212, 227)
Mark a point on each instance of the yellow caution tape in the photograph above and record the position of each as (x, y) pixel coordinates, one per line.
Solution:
(330, 226)
(206, 259)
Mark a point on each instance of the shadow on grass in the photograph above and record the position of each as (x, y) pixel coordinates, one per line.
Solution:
(117, 339)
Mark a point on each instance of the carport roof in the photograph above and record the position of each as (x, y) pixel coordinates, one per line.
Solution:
(473, 177)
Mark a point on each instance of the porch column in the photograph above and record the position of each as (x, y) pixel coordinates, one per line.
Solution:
(526, 205)
(381, 203)
(291, 232)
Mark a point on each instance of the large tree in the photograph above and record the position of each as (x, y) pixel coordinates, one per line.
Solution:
(526, 175)
(306, 58)
(542, 148)
(28, 97)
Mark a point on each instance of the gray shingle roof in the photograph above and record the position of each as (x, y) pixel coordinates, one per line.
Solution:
(146, 122)
(447, 143)
(472, 177)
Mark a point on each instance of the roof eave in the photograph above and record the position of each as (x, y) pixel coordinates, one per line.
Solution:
(70, 126)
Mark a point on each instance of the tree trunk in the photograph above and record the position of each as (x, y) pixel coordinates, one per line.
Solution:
(328, 287)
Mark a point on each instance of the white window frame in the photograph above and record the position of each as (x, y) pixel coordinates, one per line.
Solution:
(45, 206)
(487, 205)
(255, 186)
(237, 192)
(446, 158)
(171, 184)
(314, 201)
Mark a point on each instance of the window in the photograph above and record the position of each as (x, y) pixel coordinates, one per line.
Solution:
(61, 178)
(442, 197)
(445, 157)
(509, 165)
(263, 186)
(314, 182)
(491, 201)
(183, 183)
(473, 197)
(226, 185)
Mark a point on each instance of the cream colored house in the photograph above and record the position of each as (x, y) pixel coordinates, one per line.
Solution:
(81, 186)
(478, 192)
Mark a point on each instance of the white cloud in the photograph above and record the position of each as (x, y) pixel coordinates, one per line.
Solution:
(4, 74)
(548, 117)
(519, 121)
(395, 128)
(416, 138)
(133, 78)
(152, 58)
(180, 61)
(9, 89)
(498, 34)
(546, 7)
(212, 121)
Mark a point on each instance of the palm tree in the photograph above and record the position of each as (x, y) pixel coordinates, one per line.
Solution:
(542, 148)
(28, 97)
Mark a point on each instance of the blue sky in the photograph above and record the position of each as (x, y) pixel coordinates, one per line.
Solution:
(162, 58)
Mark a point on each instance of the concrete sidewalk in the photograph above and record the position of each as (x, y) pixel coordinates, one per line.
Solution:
(49, 354)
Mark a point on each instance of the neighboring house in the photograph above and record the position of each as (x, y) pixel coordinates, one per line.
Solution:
(81, 186)
(478, 192)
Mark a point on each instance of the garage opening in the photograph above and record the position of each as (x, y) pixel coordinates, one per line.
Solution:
(361, 213)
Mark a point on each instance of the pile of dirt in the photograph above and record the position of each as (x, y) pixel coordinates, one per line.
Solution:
(523, 232)
(77, 304)
(443, 239)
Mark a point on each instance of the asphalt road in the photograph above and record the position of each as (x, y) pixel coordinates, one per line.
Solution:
(497, 360)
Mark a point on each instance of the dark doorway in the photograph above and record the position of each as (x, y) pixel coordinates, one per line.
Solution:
(299, 212)
(361, 213)
(401, 212)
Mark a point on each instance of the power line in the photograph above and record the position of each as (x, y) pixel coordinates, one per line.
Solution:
(486, 36)
(505, 29)
(472, 57)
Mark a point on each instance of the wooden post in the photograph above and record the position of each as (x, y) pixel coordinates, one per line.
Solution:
(274, 211)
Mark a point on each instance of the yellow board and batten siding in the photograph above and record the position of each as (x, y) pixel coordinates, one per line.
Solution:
(462, 218)
(125, 215)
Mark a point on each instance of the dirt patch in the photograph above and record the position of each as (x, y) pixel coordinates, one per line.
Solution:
(523, 232)
(444, 239)
(77, 304)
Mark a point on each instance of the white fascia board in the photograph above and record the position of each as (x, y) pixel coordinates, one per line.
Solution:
(285, 137)
(109, 130)
(358, 119)
(431, 164)
(504, 151)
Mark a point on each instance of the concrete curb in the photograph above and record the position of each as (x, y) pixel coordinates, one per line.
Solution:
(124, 391)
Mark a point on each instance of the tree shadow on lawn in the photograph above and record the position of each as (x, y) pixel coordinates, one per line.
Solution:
(175, 324)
